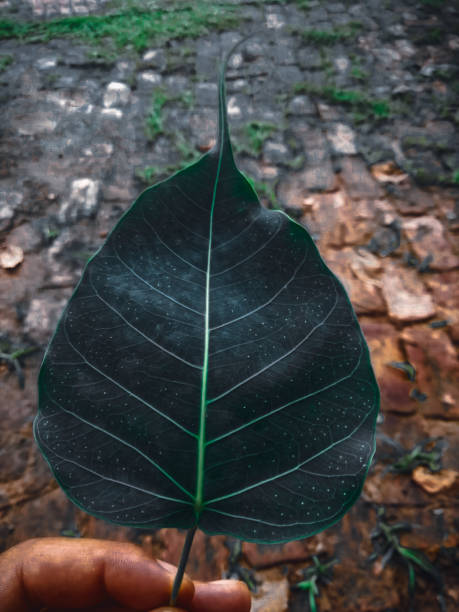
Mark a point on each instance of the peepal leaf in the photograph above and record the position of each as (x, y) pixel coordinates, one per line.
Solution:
(209, 368)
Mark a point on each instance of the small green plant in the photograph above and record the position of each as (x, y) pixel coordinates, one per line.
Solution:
(387, 546)
(71, 533)
(406, 367)
(188, 153)
(187, 98)
(265, 192)
(51, 233)
(349, 97)
(5, 61)
(255, 134)
(357, 72)
(154, 122)
(329, 37)
(427, 453)
(364, 106)
(13, 359)
(235, 569)
(150, 174)
(302, 4)
(314, 575)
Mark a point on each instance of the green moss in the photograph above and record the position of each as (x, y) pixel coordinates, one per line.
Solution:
(425, 142)
(329, 37)
(362, 104)
(134, 28)
(265, 192)
(302, 4)
(255, 134)
(154, 122)
(188, 153)
(5, 61)
(150, 174)
(358, 73)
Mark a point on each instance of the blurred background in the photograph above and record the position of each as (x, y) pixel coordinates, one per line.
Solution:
(343, 114)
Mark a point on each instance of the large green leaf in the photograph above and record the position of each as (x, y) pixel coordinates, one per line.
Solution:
(209, 368)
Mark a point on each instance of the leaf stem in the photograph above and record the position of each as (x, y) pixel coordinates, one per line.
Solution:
(181, 568)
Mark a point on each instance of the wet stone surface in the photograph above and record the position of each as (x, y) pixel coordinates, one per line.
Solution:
(356, 104)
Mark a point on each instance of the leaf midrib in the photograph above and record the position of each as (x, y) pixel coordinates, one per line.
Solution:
(205, 365)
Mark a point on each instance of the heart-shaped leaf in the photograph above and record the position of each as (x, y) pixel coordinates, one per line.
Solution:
(209, 369)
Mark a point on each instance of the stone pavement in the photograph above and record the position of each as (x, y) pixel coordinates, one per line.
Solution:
(345, 114)
(51, 8)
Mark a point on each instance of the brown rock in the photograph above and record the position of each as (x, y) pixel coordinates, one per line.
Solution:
(447, 204)
(357, 271)
(407, 298)
(434, 357)
(433, 528)
(337, 221)
(446, 430)
(16, 286)
(90, 527)
(11, 256)
(358, 182)
(434, 482)
(445, 288)
(395, 489)
(208, 557)
(410, 200)
(45, 515)
(32, 482)
(374, 595)
(388, 172)
(427, 237)
(384, 347)
(267, 555)
(263, 556)
(272, 594)
(294, 189)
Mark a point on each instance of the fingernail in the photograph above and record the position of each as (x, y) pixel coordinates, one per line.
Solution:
(171, 569)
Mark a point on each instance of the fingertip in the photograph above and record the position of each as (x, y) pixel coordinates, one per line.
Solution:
(221, 595)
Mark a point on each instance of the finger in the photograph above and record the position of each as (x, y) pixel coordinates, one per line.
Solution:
(221, 595)
(63, 572)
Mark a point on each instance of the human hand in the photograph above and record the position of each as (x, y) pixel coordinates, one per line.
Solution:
(57, 574)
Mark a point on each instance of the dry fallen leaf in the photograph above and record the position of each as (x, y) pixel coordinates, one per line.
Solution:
(388, 172)
(11, 256)
(434, 482)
